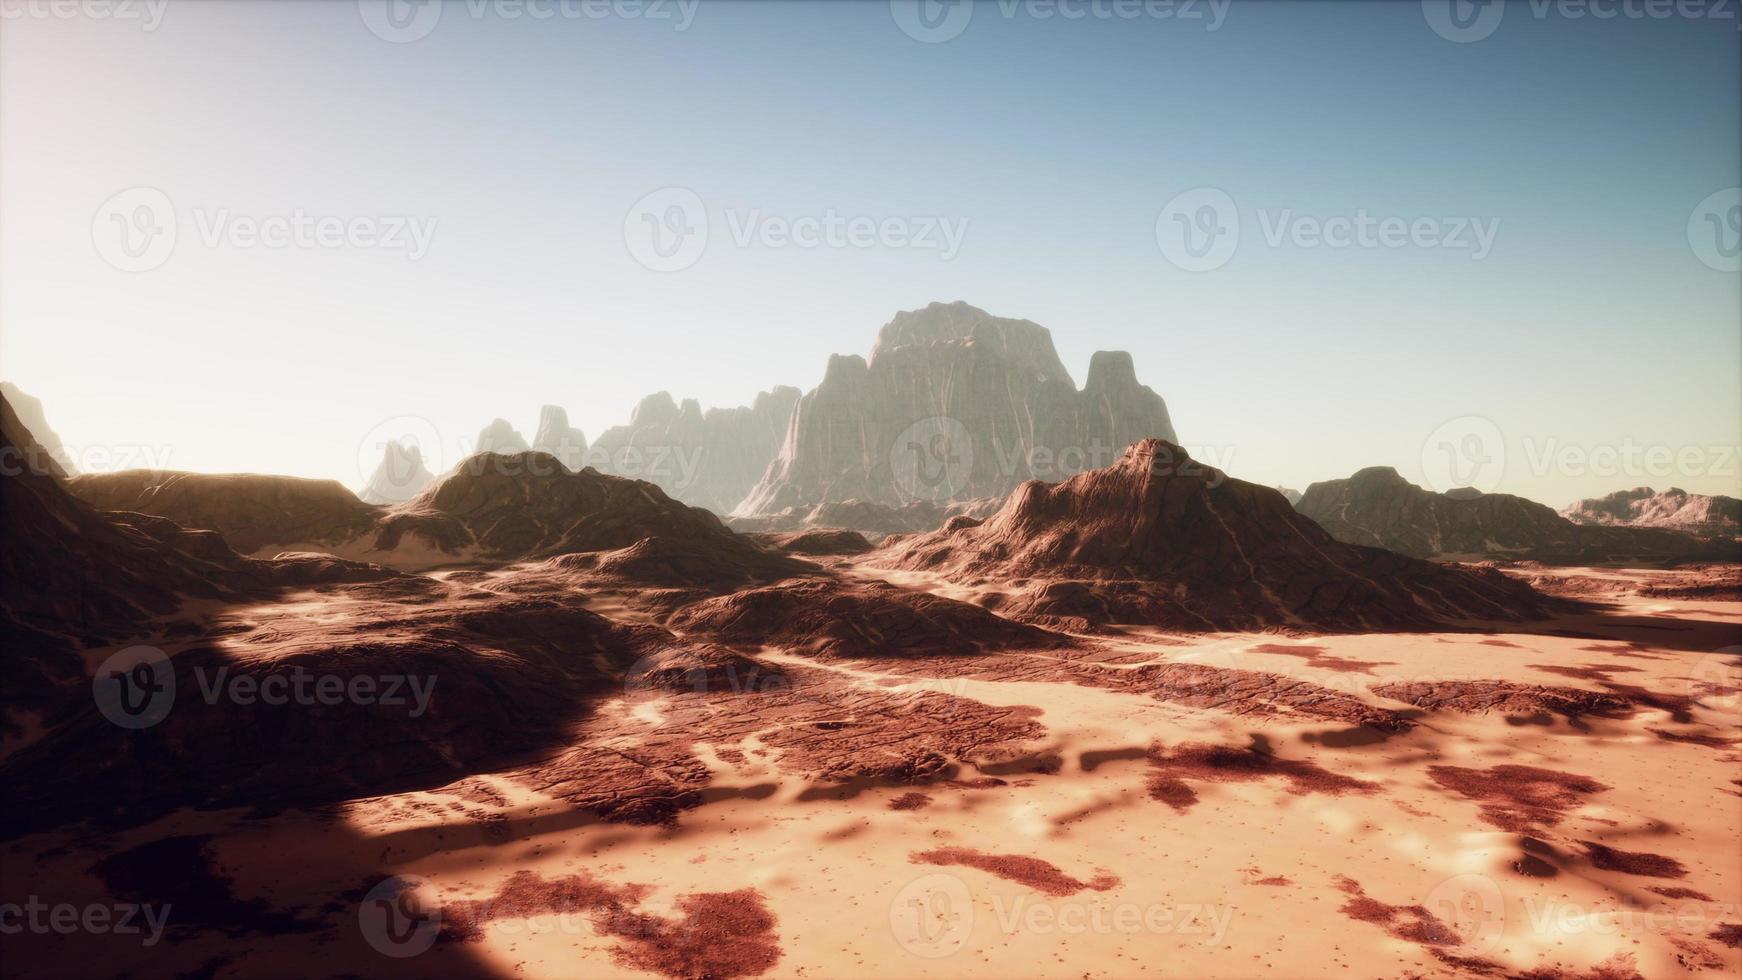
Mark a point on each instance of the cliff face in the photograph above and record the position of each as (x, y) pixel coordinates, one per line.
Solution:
(706, 459)
(1676, 509)
(954, 404)
(1378, 507)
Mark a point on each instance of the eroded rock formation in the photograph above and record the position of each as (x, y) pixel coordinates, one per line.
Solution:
(400, 477)
(953, 404)
(1378, 507)
(556, 437)
(1675, 509)
(709, 459)
(1161, 539)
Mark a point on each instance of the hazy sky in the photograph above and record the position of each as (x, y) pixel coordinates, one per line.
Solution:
(1567, 278)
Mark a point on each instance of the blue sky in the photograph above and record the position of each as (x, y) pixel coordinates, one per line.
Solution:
(1586, 145)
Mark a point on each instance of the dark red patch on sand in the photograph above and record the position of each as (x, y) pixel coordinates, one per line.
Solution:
(1317, 657)
(1519, 798)
(721, 934)
(1030, 871)
(1411, 923)
(1693, 738)
(1634, 862)
(1672, 892)
(1728, 933)
(910, 801)
(1198, 762)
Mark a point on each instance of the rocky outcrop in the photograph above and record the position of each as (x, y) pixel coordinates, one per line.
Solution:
(529, 505)
(1378, 507)
(1675, 509)
(400, 477)
(1160, 539)
(500, 437)
(253, 512)
(708, 459)
(71, 578)
(1292, 496)
(953, 404)
(47, 454)
(856, 619)
(556, 437)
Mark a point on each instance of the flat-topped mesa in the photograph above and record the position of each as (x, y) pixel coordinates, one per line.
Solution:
(953, 404)
(1020, 341)
(256, 513)
(1376, 506)
(1706, 515)
(1160, 539)
(556, 437)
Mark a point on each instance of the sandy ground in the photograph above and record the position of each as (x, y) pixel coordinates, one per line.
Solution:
(1412, 853)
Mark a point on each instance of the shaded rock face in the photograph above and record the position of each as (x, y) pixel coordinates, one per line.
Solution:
(556, 437)
(1378, 507)
(1675, 509)
(1163, 540)
(500, 437)
(251, 511)
(400, 477)
(954, 404)
(71, 577)
(855, 619)
(528, 505)
(709, 459)
(47, 454)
